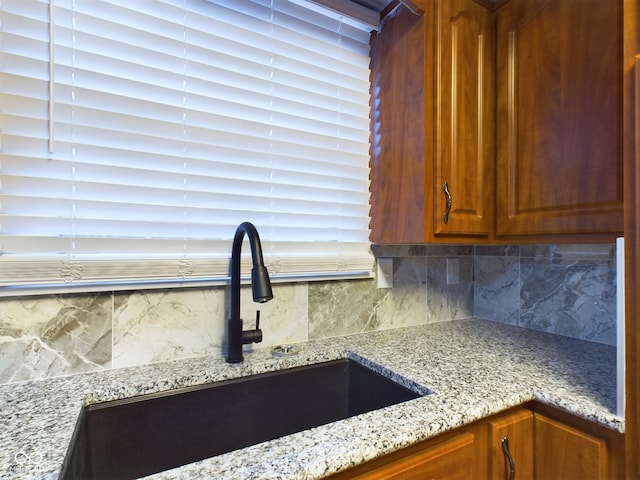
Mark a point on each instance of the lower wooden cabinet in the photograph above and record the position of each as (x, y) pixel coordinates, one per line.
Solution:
(543, 444)
(564, 452)
(567, 447)
(453, 459)
(468, 453)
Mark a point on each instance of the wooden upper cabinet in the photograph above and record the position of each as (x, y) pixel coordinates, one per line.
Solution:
(518, 110)
(559, 91)
(464, 126)
(432, 122)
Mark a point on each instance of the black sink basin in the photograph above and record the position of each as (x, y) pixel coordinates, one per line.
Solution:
(147, 434)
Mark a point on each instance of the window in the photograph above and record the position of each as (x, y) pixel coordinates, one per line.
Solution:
(139, 137)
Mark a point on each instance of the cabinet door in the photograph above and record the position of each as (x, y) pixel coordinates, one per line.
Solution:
(453, 459)
(464, 119)
(562, 452)
(517, 428)
(559, 163)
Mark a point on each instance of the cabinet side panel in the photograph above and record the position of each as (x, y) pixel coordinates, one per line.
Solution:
(400, 51)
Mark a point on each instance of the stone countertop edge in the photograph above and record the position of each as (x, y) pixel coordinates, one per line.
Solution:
(474, 367)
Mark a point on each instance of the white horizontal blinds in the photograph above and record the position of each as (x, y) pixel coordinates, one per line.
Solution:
(174, 122)
(24, 70)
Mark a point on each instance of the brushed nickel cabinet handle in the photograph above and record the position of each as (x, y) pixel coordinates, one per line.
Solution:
(445, 188)
(507, 453)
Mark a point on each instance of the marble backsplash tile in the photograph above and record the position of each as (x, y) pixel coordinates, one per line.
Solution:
(567, 289)
(406, 303)
(419, 294)
(50, 336)
(497, 288)
(573, 300)
(351, 308)
(449, 302)
(153, 326)
(554, 289)
(165, 325)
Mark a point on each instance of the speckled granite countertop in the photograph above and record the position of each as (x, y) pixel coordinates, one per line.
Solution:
(476, 368)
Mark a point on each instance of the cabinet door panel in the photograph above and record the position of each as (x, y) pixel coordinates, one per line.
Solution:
(559, 164)
(562, 452)
(452, 460)
(465, 120)
(518, 429)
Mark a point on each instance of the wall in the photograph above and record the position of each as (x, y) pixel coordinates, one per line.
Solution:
(569, 290)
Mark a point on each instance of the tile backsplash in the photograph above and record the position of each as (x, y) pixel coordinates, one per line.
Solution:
(565, 289)
(569, 290)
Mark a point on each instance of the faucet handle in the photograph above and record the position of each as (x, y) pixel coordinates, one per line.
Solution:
(252, 336)
(256, 335)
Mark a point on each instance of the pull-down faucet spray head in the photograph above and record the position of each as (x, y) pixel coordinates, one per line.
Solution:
(260, 284)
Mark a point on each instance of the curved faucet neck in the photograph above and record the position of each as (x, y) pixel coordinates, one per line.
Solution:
(260, 283)
(254, 241)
